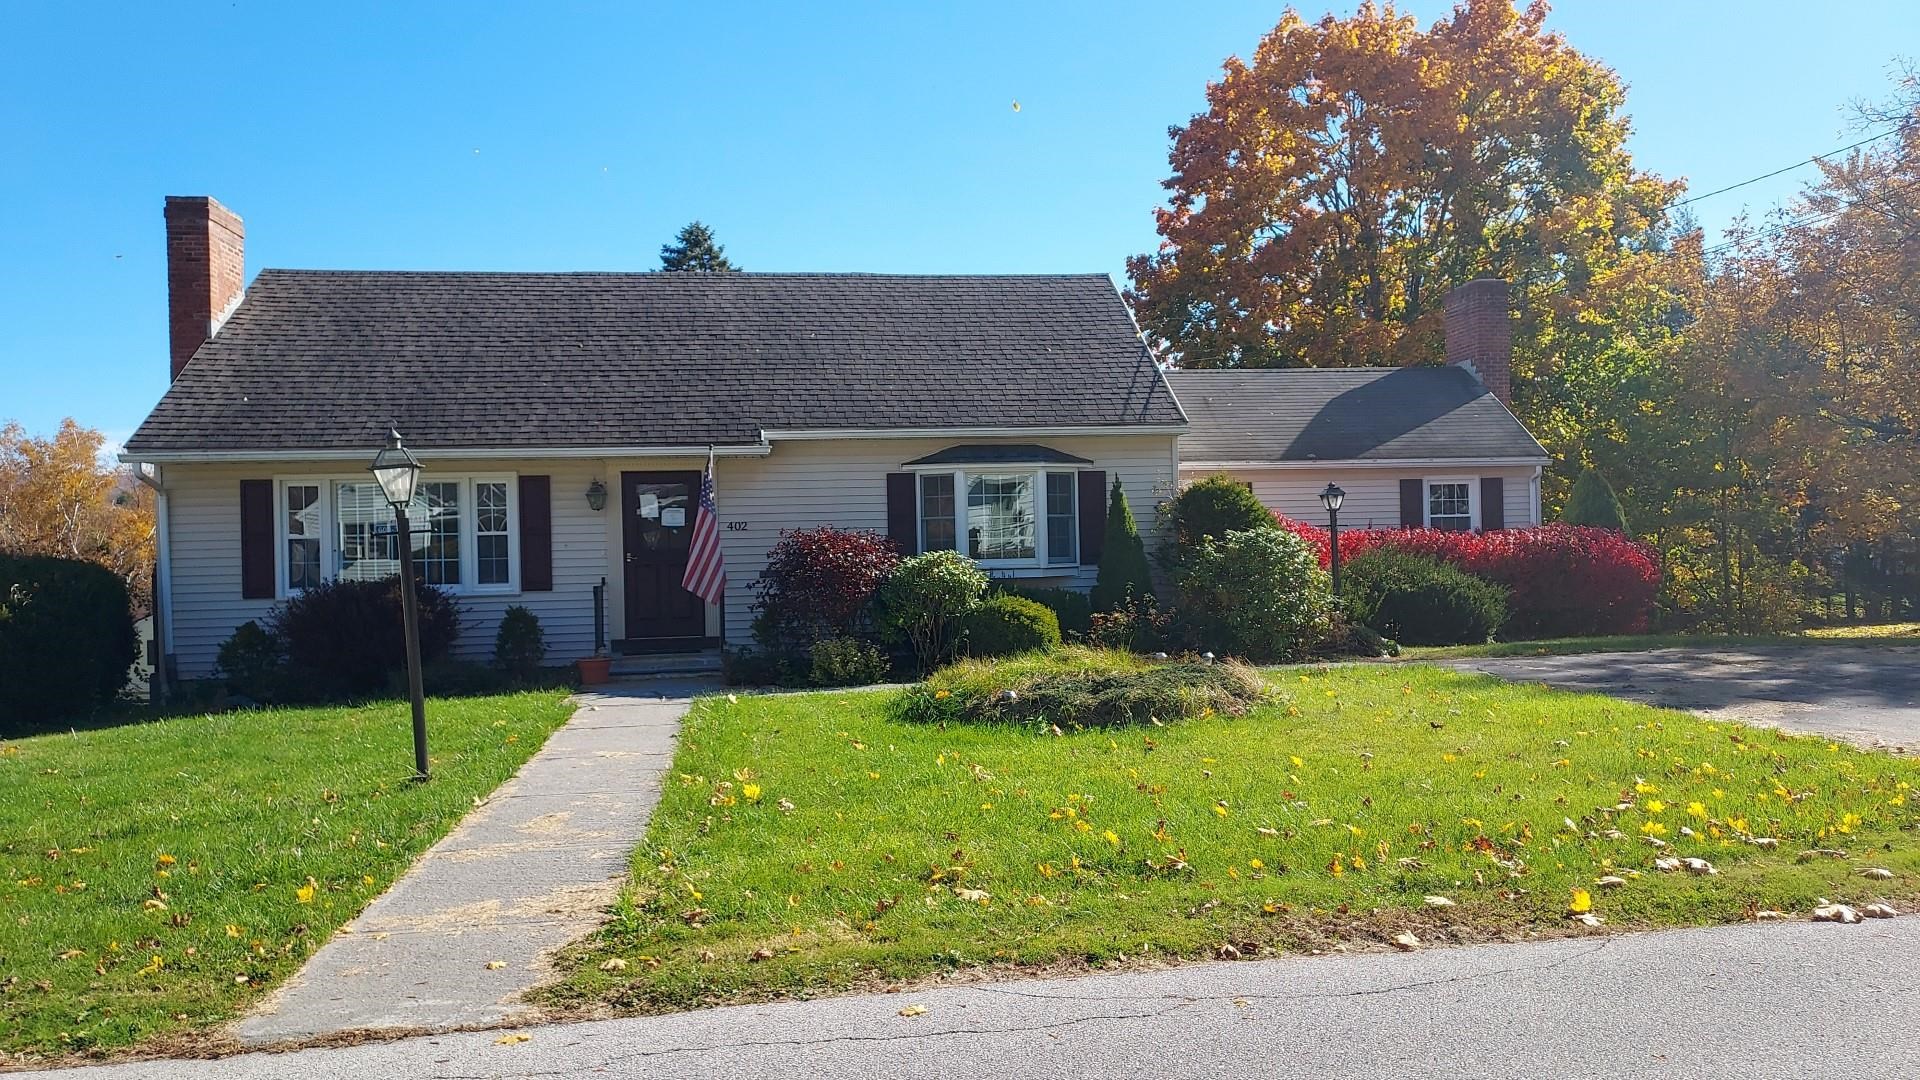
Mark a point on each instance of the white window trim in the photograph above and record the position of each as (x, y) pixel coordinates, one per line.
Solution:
(1473, 499)
(1039, 475)
(469, 516)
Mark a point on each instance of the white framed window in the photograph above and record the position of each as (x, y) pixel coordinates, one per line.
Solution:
(464, 532)
(1453, 504)
(1003, 516)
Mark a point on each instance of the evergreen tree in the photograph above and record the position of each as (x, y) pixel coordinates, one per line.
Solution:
(694, 249)
(1592, 502)
(1123, 558)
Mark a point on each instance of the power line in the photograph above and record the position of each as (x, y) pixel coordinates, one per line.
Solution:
(1785, 169)
(1809, 220)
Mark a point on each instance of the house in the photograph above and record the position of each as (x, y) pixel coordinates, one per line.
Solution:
(1433, 447)
(564, 421)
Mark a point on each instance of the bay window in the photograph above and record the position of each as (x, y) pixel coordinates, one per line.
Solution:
(463, 532)
(1002, 516)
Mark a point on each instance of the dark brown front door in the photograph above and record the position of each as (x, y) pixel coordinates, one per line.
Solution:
(658, 509)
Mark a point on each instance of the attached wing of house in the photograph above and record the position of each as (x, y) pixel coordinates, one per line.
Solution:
(1431, 446)
(1419, 447)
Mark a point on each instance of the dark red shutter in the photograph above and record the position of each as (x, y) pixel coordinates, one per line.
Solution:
(256, 539)
(1413, 498)
(536, 534)
(1093, 516)
(1493, 503)
(903, 520)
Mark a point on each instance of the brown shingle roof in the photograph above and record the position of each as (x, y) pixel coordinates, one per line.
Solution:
(331, 359)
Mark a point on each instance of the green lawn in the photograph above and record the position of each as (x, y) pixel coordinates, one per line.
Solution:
(1880, 634)
(159, 877)
(813, 842)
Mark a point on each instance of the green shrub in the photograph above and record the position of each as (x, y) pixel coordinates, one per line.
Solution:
(1214, 506)
(1123, 568)
(1076, 687)
(925, 596)
(848, 661)
(1346, 637)
(756, 667)
(519, 645)
(1253, 593)
(251, 662)
(67, 643)
(1072, 608)
(1419, 600)
(1138, 625)
(1592, 502)
(343, 637)
(1005, 625)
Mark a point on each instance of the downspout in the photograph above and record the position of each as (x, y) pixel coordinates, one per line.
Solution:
(1538, 472)
(151, 476)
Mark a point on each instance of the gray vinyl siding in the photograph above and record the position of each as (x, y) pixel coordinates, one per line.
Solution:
(800, 484)
(203, 509)
(803, 484)
(1373, 494)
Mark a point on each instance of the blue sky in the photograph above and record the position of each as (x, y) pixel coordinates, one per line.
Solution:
(821, 136)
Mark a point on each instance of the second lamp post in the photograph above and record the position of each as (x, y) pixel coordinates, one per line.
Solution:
(1331, 497)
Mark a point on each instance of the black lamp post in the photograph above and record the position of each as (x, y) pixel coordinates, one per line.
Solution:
(1331, 497)
(399, 473)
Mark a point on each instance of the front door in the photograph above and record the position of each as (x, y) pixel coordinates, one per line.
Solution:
(658, 509)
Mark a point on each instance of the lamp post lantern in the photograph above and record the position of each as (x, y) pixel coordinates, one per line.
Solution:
(399, 473)
(1331, 497)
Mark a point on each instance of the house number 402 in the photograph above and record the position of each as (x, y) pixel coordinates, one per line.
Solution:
(736, 526)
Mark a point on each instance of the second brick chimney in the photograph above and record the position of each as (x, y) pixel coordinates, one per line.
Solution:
(1480, 334)
(206, 247)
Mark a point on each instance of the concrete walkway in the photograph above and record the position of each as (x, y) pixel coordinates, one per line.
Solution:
(531, 869)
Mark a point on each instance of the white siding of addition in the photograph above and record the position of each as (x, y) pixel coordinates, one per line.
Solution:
(842, 482)
(1373, 494)
(203, 508)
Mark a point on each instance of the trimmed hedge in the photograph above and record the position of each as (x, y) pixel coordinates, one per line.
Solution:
(1212, 507)
(1073, 608)
(1561, 580)
(342, 638)
(1004, 625)
(67, 643)
(1074, 688)
(1419, 600)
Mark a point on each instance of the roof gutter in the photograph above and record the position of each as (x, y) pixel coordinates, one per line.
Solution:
(771, 435)
(183, 457)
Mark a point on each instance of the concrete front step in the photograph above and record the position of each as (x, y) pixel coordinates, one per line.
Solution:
(666, 665)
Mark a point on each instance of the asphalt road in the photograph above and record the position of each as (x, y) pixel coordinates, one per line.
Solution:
(1866, 694)
(1756, 1001)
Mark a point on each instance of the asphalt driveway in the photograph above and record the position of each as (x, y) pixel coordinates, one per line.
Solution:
(1866, 695)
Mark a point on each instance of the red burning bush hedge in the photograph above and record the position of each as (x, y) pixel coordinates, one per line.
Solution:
(818, 584)
(1564, 580)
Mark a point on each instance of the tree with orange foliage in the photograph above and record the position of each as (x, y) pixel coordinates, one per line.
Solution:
(58, 497)
(1356, 169)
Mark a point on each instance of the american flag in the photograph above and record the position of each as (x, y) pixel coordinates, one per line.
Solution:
(706, 575)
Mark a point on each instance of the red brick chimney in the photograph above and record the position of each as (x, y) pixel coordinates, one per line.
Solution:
(1480, 334)
(206, 244)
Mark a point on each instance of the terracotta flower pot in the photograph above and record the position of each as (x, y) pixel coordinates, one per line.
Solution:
(594, 670)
